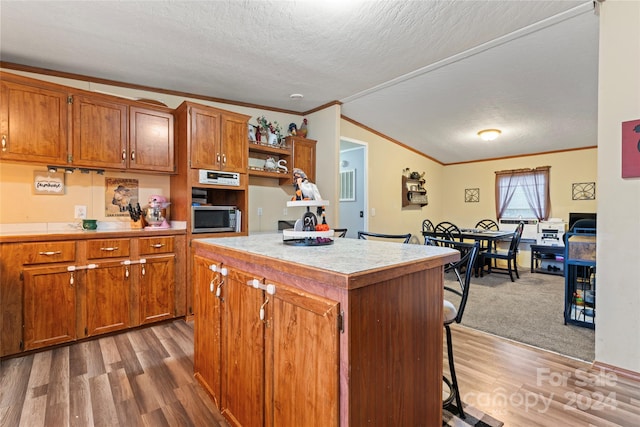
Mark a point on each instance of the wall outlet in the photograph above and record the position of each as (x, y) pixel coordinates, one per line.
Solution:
(259, 211)
(285, 212)
(80, 212)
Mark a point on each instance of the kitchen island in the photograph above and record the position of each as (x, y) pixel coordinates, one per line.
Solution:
(344, 334)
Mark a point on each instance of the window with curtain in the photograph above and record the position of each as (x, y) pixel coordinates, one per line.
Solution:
(523, 193)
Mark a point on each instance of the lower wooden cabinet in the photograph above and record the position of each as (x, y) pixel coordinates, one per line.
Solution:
(49, 306)
(60, 291)
(251, 342)
(156, 288)
(108, 298)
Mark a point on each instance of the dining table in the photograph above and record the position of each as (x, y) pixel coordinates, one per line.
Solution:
(478, 235)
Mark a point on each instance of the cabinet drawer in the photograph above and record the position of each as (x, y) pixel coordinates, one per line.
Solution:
(107, 248)
(156, 245)
(46, 252)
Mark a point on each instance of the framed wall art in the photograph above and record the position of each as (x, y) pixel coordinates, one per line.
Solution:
(471, 195)
(583, 191)
(118, 194)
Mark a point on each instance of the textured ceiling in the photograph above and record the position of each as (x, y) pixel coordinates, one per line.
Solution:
(429, 74)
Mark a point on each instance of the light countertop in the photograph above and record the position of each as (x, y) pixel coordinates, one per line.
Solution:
(344, 256)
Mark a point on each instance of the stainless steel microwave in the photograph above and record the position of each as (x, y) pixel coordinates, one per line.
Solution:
(215, 219)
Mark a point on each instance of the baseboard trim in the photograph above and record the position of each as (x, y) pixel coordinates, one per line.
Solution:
(632, 375)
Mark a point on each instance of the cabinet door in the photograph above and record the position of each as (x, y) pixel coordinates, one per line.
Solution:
(33, 124)
(302, 386)
(304, 156)
(235, 151)
(99, 133)
(207, 345)
(205, 138)
(151, 140)
(49, 306)
(108, 297)
(242, 352)
(157, 288)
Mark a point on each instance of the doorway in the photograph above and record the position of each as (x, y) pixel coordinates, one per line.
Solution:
(353, 186)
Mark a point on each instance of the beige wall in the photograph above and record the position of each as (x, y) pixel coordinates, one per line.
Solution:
(566, 168)
(386, 160)
(618, 321)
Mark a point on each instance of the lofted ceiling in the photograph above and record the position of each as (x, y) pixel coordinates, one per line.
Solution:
(428, 74)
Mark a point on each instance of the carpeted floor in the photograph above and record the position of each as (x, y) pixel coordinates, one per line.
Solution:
(529, 310)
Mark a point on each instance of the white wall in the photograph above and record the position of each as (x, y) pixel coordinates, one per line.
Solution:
(618, 282)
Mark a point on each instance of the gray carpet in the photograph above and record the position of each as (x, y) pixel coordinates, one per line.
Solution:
(529, 310)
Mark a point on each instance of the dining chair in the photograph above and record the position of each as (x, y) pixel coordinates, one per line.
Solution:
(364, 235)
(488, 224)
(453, 308)
(448, 230)
(509, 255)
(427, 225)
(340, 232)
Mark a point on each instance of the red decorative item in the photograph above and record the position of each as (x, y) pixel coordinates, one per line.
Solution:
(631, 149)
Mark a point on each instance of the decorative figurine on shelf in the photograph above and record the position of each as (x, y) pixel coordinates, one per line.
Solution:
(305, 189)
(293, 129)
(302, 130)
(272, 135)
(252, 132)
(270, 164)
(281, 166)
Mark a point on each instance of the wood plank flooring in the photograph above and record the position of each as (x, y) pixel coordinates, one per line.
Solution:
(145, 378)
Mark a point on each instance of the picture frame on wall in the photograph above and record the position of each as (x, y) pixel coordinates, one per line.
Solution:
(471, 195)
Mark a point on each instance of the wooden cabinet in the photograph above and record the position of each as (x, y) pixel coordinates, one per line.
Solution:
(217, 139)
(248, 343)
(208, 281)
(304, 155)
(49, 306)
(52, 292)
(99, 132)
(33, 123)
(151, 145)
(108, 286)
(56, 125)
(156, 279)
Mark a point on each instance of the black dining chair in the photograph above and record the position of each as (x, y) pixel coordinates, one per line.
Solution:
(448, 230)
(488, 224)
(454, 303)
(364, 235)
(340, 232)
(510, 256)
(427, 225)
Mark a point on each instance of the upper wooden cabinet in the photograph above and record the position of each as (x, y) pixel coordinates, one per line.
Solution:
(99, 133)
(33, 123)
(216, 139)
(109, 134)
(304, 155)
(51, 124)
(151, 145)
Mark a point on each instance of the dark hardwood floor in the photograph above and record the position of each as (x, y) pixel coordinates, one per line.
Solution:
(145, 378)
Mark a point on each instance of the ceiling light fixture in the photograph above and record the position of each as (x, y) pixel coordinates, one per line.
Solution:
(489, 134)
(296, 96)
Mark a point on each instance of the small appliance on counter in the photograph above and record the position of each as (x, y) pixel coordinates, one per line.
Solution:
(156, 216)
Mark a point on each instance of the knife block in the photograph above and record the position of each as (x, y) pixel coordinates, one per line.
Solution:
(137, 224)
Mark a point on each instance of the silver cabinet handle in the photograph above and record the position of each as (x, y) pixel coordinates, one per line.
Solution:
(49, 253)
(4, 142)
(124, 155)
(109, 249)
(157, 245)
(133, 155)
